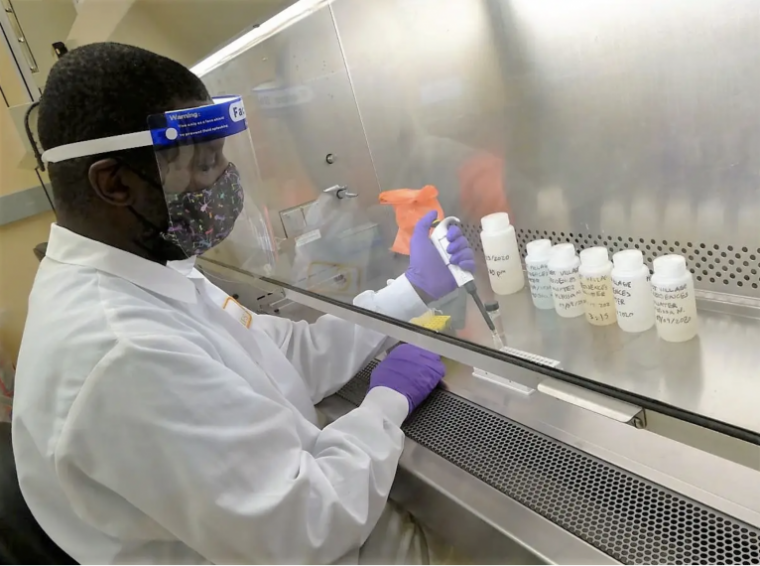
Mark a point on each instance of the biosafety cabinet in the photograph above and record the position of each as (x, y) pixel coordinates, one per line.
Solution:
(629, 125)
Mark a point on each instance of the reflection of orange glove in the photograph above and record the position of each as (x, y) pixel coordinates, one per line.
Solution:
(482, 188)
(410, 205)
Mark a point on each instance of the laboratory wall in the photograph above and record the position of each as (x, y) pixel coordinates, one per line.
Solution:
(188, 30)
(18, 264)
(44, 22)
(139, 28)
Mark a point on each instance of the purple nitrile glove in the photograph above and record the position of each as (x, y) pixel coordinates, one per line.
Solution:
(427, 271)
(411, 371)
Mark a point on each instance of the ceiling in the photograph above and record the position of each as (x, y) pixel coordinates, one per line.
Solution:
(201, 26)
(185, 30)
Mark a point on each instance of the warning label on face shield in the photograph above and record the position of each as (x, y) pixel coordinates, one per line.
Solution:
(225, 117)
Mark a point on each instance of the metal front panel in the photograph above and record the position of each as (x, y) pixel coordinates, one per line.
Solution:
(623, 123)
(431, 96)
(710, 382)
(300, 108)
(629, 518)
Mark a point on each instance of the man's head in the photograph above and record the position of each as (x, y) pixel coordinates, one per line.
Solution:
(103, 90)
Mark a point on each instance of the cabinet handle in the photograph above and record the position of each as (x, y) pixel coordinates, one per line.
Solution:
(20, 37)
(340, 192)
(592, 401)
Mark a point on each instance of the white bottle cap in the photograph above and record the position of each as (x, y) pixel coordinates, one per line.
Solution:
(628, 260)
(670, 266)
(496, 222)
(539, 250)
(563, 252)
(595, 257)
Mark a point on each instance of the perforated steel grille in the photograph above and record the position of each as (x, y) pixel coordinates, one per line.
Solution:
(623, 515)
(726, 269)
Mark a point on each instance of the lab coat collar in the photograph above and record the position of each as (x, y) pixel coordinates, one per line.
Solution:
(184, 266)
(65, 246)
(187, 268)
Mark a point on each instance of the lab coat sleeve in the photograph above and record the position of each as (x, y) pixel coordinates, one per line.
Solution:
(397, 300)
(330, 351)
(221, 466)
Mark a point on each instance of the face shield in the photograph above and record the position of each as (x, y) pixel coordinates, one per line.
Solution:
(207, 176)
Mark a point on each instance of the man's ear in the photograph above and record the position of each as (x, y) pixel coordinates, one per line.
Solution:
(107, 180)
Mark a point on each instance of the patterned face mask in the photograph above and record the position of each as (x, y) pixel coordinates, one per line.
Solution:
(202, 219)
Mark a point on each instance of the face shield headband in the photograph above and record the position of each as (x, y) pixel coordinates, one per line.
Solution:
(157, 137)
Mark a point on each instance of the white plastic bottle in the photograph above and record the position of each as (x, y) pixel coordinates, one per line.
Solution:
(632, 291)
(566, 281)
(596, 283)
(675, 304)
(502, 254)
(537, 266)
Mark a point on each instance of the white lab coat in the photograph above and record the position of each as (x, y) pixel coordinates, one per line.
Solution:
(152, 426)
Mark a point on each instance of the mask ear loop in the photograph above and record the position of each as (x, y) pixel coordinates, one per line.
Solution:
(159, 232)
(150, 182)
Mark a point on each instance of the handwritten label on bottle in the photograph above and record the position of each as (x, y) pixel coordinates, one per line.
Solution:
(600, 303)
(671, 305)
(540, 283)
(621, 291)
(493, 259)
(624, 291)
(565, 284)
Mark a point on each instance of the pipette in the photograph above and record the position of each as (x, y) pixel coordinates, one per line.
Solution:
(463, 278)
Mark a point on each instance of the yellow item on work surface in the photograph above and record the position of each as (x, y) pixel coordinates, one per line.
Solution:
(432, 321)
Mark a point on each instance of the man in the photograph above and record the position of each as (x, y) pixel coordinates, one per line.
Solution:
(152, 426)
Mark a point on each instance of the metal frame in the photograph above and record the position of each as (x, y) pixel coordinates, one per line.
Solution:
(431, 488)
(676, 466)
(521, 371)
(633, 520)
(681, 468)
(672, 464)
(22, 67)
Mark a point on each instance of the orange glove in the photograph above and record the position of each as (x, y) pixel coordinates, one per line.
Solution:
(410, 205)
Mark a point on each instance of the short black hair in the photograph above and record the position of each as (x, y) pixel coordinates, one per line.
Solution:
(101, 90)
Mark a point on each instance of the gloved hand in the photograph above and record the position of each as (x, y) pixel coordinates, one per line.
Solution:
(411, 371)
(427, 271)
